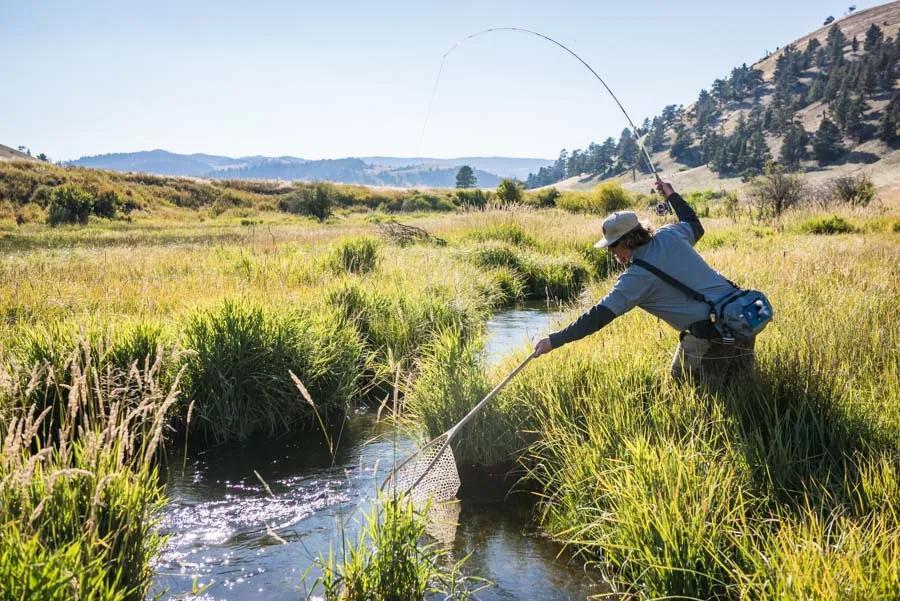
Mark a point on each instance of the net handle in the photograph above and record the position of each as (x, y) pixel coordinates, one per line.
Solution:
(477, 408)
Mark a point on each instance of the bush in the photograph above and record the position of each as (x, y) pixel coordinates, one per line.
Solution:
(605, 198)
(69, 204)
(355, 255)
(472, 198)
(107, 204)
(509, 191)
(426, 202)
(858, 190)
(775, 191)
(545, 198)
(827, 225)
(312, 201)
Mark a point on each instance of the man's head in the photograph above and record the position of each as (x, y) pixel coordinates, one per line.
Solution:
(622, 233)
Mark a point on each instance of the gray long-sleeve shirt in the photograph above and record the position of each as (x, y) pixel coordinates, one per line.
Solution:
(671, 250)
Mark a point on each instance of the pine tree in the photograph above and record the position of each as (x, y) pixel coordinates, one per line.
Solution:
(757, 151)
(874, 37)
(854, 120)
(809, 55)
(827, 143)
(816, 89)
(887, 127)
(657, 135)
(682, 142)
(854, 44)
(793, 149)
(834, 45)
(465, 177)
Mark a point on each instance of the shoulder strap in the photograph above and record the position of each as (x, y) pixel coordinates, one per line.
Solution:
(670, 280)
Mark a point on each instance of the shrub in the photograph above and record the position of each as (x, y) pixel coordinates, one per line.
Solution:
(775, 191)
(69, 204)
(543, 198)
(355, 255)
(107, 204)
(471, 198)
(605, 198)
(237, 372)
(509, 191)
(426, 202)
(858, 190)
(827, 225)
(312, 201)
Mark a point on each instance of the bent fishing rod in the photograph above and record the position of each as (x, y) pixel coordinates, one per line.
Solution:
(560, 45)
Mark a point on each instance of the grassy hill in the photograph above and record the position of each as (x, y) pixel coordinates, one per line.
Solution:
(690, 169)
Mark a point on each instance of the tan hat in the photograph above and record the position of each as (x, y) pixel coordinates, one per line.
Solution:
(617, 225)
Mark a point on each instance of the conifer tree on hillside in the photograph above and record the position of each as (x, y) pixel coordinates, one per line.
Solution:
(758, 153)
(887, 127)
(793, 148)
(827, 142)
(874, 37)
(834, 45)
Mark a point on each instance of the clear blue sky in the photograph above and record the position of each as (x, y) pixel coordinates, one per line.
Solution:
(334, 79)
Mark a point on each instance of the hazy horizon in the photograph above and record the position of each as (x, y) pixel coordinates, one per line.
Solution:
(302, 79)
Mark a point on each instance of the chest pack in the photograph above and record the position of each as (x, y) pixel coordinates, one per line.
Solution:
(740, 314)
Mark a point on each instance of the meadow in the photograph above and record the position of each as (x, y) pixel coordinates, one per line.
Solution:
(121, 337)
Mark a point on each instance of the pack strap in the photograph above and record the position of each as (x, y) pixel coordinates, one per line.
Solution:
(670, 280)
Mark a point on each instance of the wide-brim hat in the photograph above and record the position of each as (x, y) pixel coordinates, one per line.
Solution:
(617, 225)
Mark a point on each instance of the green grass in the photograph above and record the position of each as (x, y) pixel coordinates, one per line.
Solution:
(391, 561)
(236, 373)
(355, 255)
(834, 224)
(78, 507)
(784, 487)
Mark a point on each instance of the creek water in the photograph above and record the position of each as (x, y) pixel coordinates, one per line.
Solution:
(233, 537)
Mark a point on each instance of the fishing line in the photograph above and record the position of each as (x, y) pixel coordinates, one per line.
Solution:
(437, 80)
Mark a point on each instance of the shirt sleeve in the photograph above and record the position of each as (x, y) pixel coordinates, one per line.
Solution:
(628, 292)
(689, 226)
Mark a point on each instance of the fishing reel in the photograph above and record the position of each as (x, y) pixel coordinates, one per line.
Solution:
(663, 208)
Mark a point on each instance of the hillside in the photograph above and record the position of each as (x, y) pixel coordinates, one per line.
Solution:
(834, 74)
(11, 154)
(373, 171)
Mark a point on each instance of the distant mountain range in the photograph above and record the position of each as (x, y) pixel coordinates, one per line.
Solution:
(372, 171)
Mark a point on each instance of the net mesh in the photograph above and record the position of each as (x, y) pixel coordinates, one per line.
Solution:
(422, 480)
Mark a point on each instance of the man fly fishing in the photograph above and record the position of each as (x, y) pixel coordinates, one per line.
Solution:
(668, 278)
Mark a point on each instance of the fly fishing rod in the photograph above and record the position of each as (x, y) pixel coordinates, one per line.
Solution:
(568, 50)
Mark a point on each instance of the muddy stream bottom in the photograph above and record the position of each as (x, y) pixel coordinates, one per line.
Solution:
(230, 539)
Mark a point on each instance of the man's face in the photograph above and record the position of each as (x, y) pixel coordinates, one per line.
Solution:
(621, 252)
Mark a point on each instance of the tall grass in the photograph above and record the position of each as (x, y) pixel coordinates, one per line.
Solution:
(78, 507)
(757, 488)
(237, 370)
(355, 255)
(392, 561)
(544, 276)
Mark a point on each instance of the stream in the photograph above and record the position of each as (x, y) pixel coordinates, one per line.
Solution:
(231, 539)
